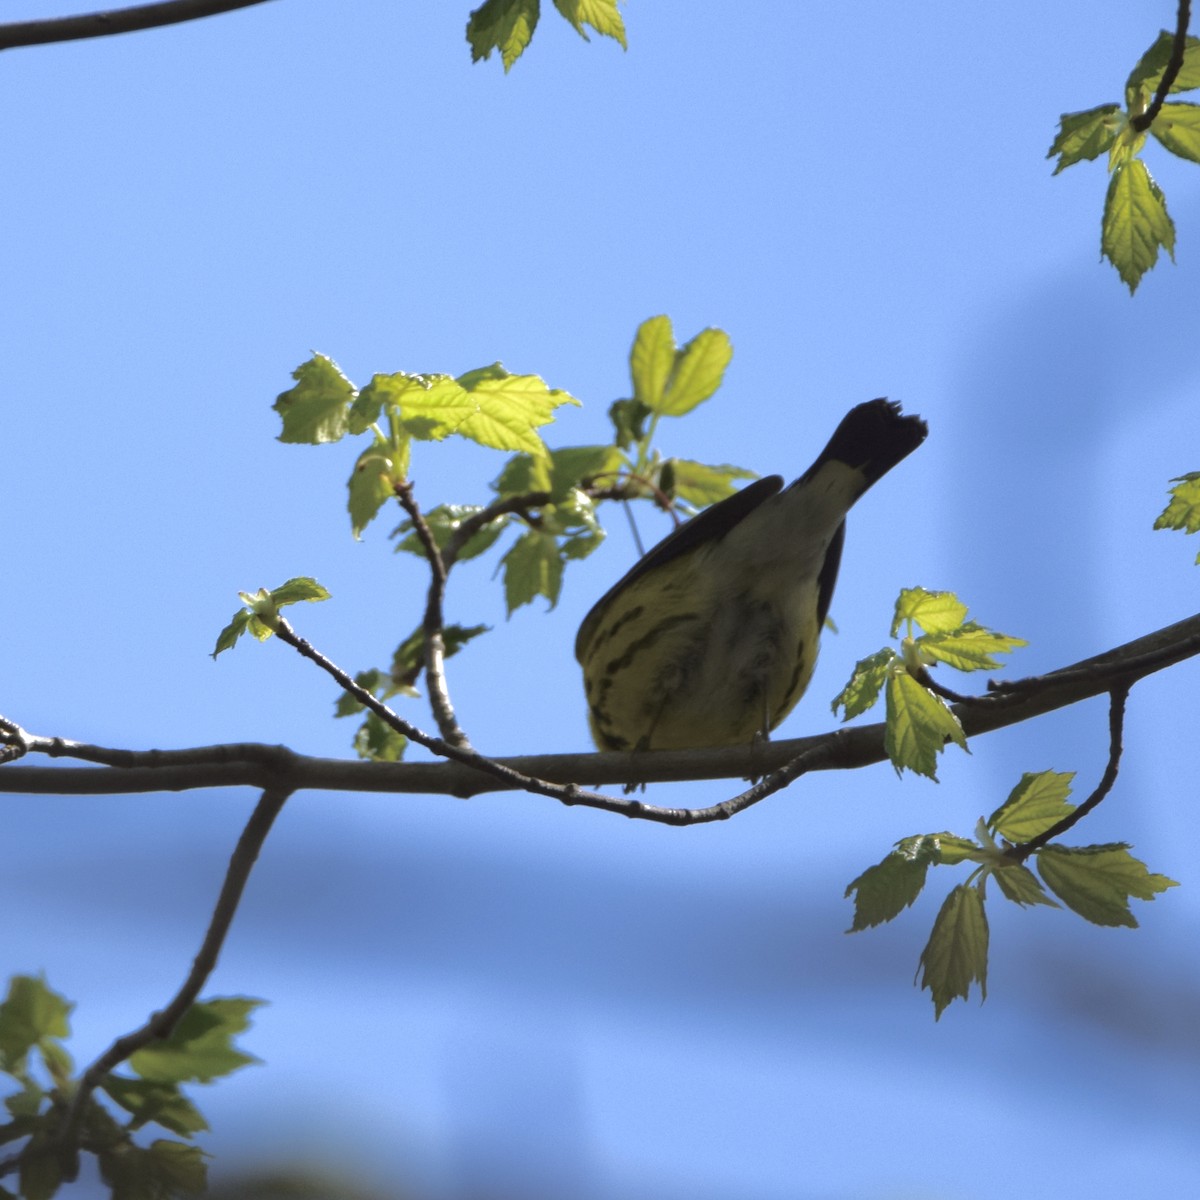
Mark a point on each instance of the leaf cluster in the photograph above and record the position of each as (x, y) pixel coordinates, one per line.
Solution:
(33, 1027)
(1136, 223)
(509, 25)
(1183, 510)
(1097, 882)
(919, 722)
(547, 498)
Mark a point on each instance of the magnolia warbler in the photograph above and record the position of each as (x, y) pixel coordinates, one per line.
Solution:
(711, 638)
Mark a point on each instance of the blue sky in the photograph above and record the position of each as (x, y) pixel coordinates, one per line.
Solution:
(498, 996)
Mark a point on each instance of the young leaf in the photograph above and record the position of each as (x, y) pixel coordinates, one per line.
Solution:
(651, 359)
(201, 1046)
(444, 522)
(1019, 884)
(1084, 135)
(371, 484)
(1036, 803)
(1097, 881)
(861, 692)
(31, 1014)
(1144, 79)
(601, 15)
(701, 484)
(504, 25)
(1135, 223)
(376, 741)
(40, 1173)
(699, 369)
(314, 411)
(934, 612)
(582, 466)
(532, 567)
(1177, 127)
(162, 1171)
(970, 647)
(957, 951)
(508, 408)
(918, 726)
(885, 890)
(1183, 512)
(258, 617)
(162, 1103)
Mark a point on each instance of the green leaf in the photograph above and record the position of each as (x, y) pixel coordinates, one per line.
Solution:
(228, 636)
(40, 1173)
(1144, 79)
(314, 411)
(1183, 511)
(1097, 881)
(508, 408)
(372, 483)
(651, 360)
(532, 567)
(429, 407)
(1135, 222)
(444, 522)
(26, 1103)
(952, 849)
(699, 369)
(1020, 885)
(629, 419)
(201, 1045)
(162, 1171)
(31, 1015)
(934, 612)
(701, 484)
(504, 25)
(865, 683)
(301, 589)
(583, 466)
(1085, 135)
(162, 1103)
(885, 890)
(970, 647)
(918, 726)
(1177, 127)
(1036, 803)
(601, 15)
(957, 951)
(376, 741)
(409, 658)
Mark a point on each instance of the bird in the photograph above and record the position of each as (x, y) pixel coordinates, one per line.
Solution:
(711, 638)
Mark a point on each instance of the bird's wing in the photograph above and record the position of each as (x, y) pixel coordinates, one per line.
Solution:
(714, 522)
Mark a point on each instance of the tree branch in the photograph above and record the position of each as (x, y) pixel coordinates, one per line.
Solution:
(1116, 732)
(160, 1024)
(434, 623)
(261, 766)
(1174, 66)
(116, 20)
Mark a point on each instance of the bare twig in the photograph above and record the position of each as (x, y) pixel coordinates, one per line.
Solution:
(255, 765)
(160, 1024)
(1116, 728)
(1174, 66)
(115, 20)
(434, 623)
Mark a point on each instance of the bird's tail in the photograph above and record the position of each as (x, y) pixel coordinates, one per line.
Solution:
(872, 438)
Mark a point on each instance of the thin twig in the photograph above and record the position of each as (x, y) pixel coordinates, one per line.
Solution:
(116, 20)
(434, 623)
(160, 1024)
(1174, 66)
(1116, 728)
